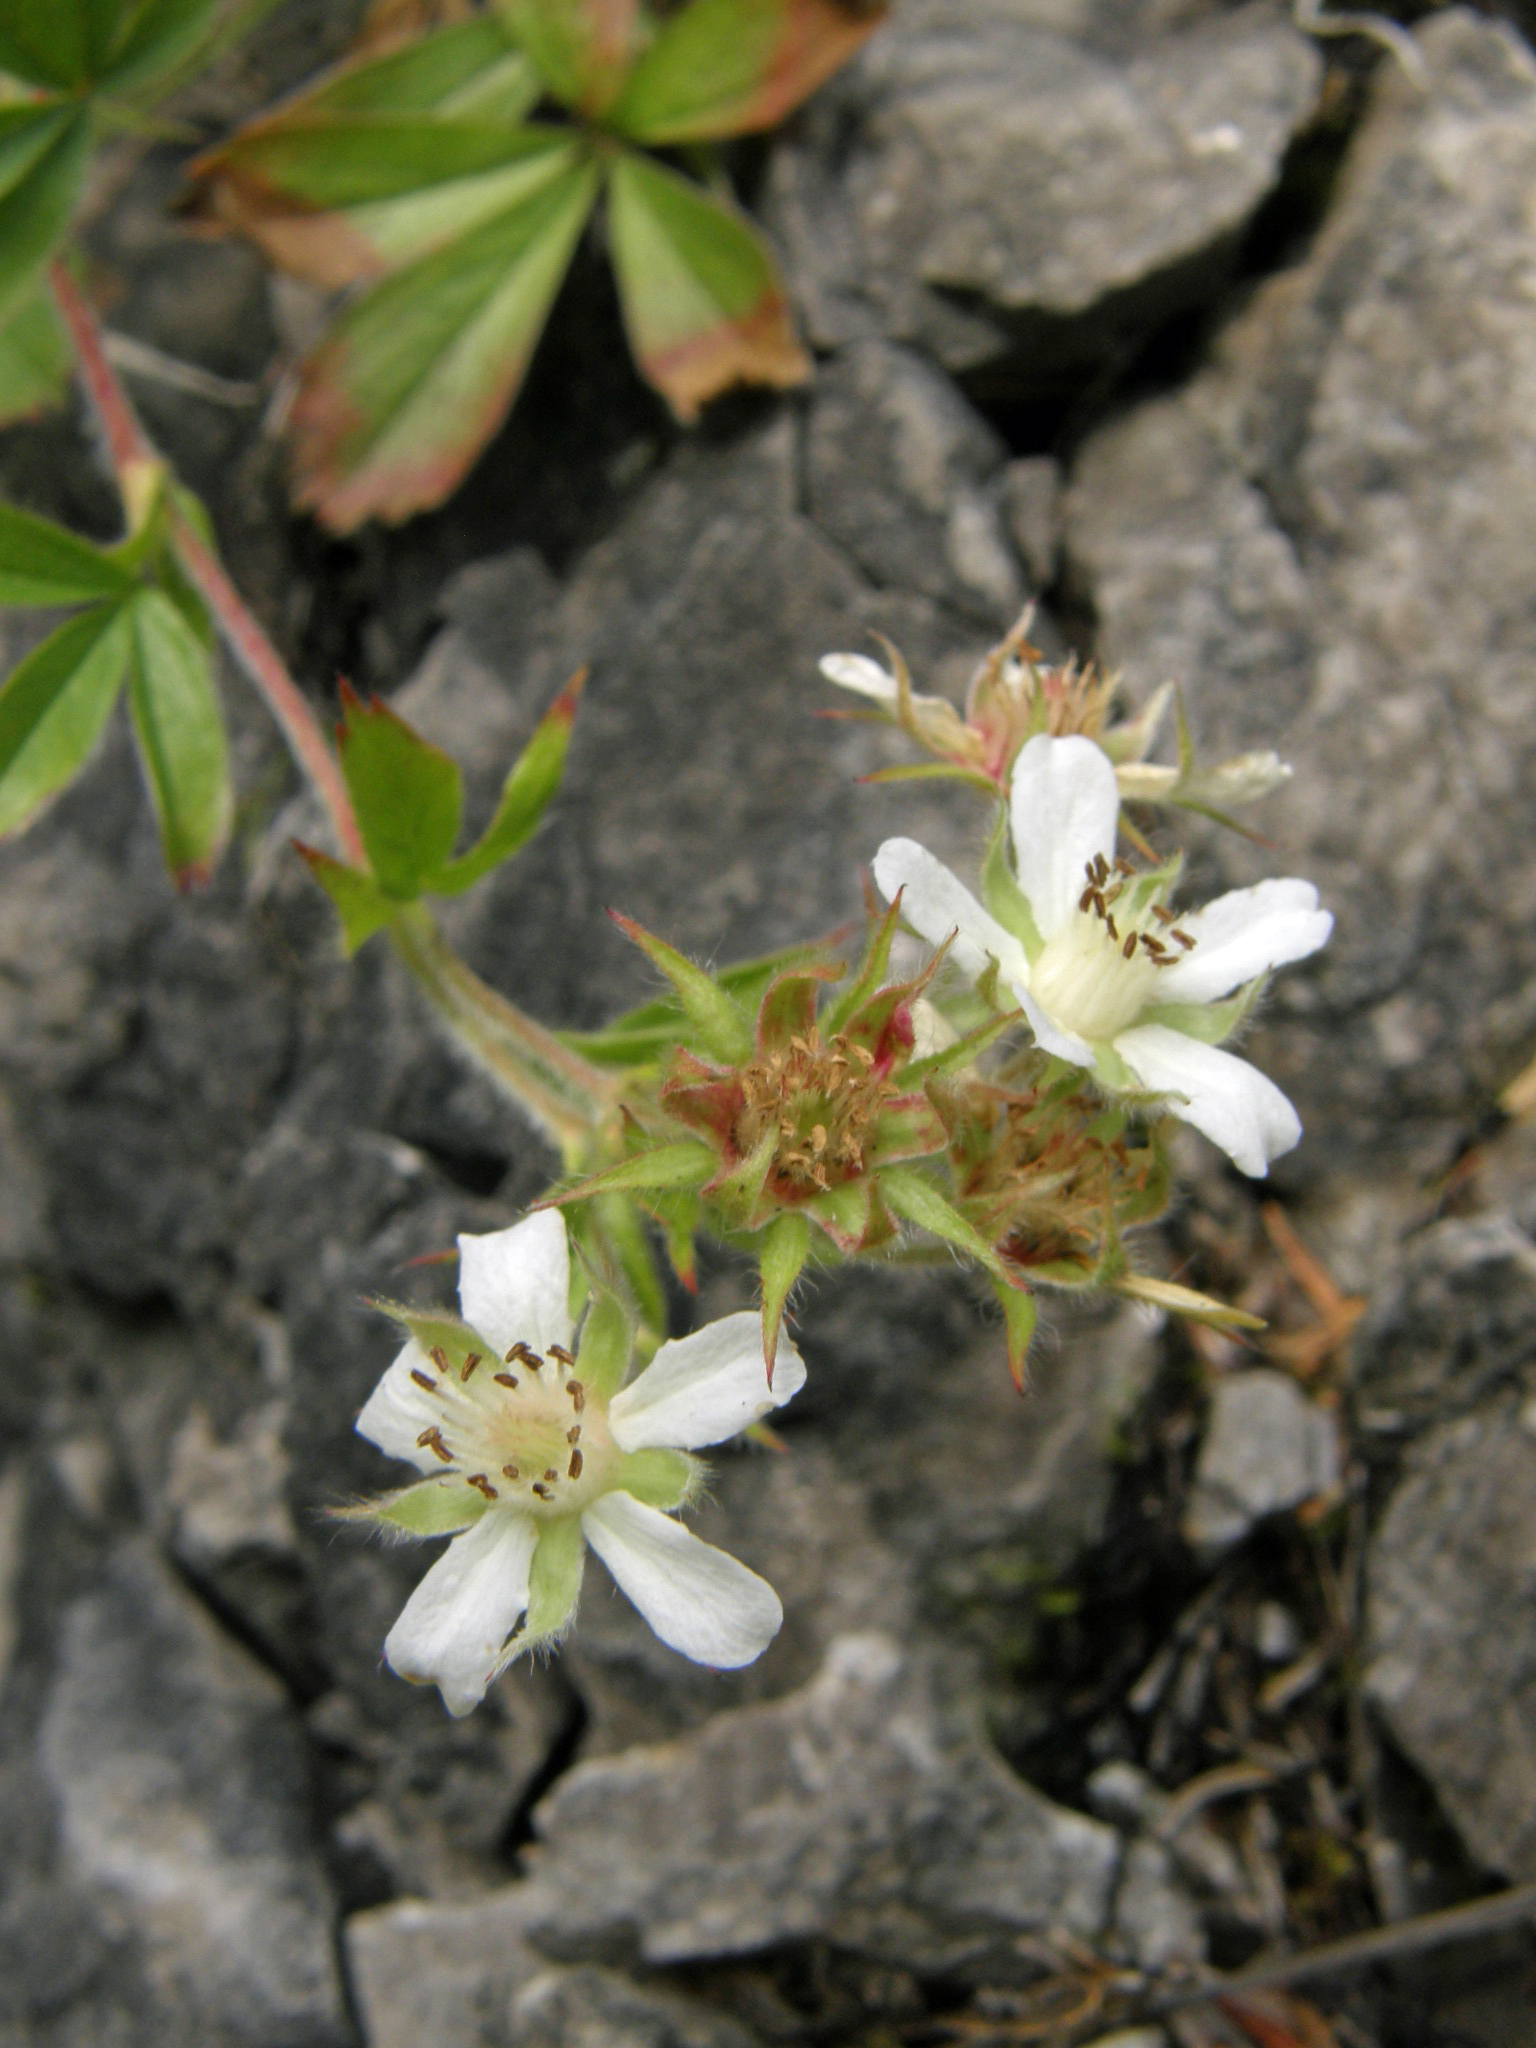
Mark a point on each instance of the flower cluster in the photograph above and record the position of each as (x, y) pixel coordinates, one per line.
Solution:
(1008, 1102)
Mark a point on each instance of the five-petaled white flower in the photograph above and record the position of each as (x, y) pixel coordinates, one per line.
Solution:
(1108, 977)
(536, 1451)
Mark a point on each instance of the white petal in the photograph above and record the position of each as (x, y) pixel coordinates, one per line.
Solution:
(398, 1410)
(515, 1284)
(1066, 1045)
(1244, 934)
(697, 1599)
(1064, 805)
(701, 1389)
(936, 903)
(451, 1630)
(1236, 1106)
(858, 672)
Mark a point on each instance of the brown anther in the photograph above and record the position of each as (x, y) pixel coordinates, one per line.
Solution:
(1165, 959)
(1085, 900)
(1183, 939)
(1124, 866)
(439, 1357)
(1163, 915)
(542, 1491)
(1114, 895)
(550, 1472)
(471, 1360)
(1098, 901)
(432, 1440)
(1129, 947)
(1100, 868)
(509, 1471)
(523, 1354)
(559, 1351)
(481, 1484)
(573, 1434)
(818, 1139)
(1110, 922)
(1152, 945)
(578, 1394)
(573, 1469)
(505, 1379)
(423, 1380)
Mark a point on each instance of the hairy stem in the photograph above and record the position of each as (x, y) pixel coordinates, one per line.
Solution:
(565, 1096)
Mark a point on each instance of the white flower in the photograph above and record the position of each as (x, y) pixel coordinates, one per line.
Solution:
(1106, 974)
(534, 1453)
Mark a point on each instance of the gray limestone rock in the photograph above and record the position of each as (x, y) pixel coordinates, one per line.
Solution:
(1451, 1626)
(994, 186)
(1266, 1448)
(857, 1811)
(588, 2007)
(440, 1974)
(183, 1799)
(1325, 538)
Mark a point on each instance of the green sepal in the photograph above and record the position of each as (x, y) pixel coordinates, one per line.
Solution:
(554, 1580)
(1001, 894)
(438, 1330)
(716, 1018)
(737, 1191)
(964, 1051)
(910, 1129)
(41, 563)
(435, 1507)
(923, 771)
(677, 1218)
(621, 1226)
(654, 1027)
(851, 1215)
(1020, 1312)
(53, 707)
(1110, 1069)
(915, 1198)
(357, 899)
(784, 1250)
(606, 1345)
(408, 795)
(180, 733)
(1185, 1301)
(1210, 1023)
(525, 795)
(660, 1478)
(871, 975)
(658, 1169)
(788, 1008)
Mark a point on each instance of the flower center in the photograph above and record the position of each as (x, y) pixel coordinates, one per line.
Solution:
(820, 1101)
(1095, 976)
(522, 1432)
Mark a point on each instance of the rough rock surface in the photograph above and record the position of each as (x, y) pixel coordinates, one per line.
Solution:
(994, 185)
(851, 1812)
(1324, 538)
(1266, 1448)
(1451, 1635)
(183, 1801)
(593, 2008)
(442, 1973)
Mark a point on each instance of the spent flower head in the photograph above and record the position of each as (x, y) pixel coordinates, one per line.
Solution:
(1109, 976)
(533, 1450)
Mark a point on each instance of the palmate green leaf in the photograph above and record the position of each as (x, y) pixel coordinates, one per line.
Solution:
(135, 39)
(403, 394)
(46, 44)
(731, 67)
(703, 305)
(469, 67)
(35, 358)
(359, 902)
(180, 731)
(54, 705)
(35, 211)
(41, 563)
(525, 795)
(343, 198)
(582, 49)
(408, 795)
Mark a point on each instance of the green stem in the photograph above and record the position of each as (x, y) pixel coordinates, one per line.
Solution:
(567, 1098)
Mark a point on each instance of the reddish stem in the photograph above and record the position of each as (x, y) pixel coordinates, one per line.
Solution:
(130, 446)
